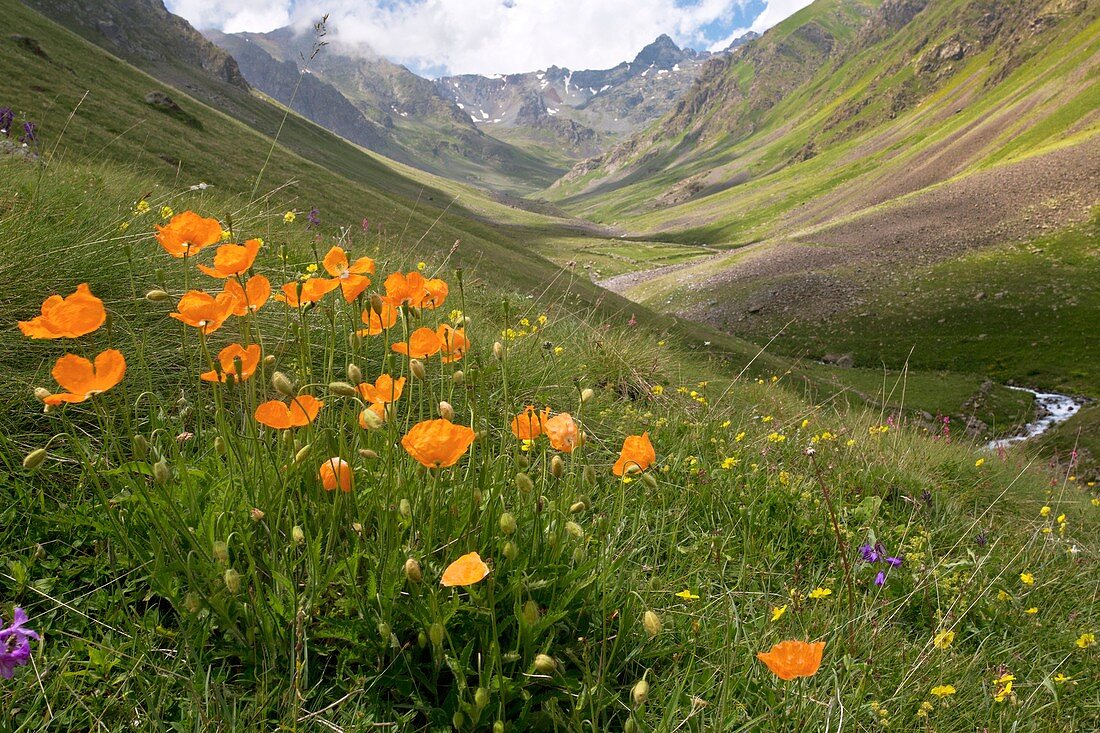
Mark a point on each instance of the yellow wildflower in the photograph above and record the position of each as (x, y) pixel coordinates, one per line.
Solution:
(943, 639)
(942, 691)
(777, 612)
(1032, 611)
(166, 212)
(1044, 512)
(289, 217)
(1027, 578)
(1084, 641)
(687, 595)
(817, 593)
(978, 463)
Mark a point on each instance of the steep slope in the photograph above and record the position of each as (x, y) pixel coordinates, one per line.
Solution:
(577, 113)
(383, 106)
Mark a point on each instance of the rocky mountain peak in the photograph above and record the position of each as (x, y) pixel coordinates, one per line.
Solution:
(662, 53)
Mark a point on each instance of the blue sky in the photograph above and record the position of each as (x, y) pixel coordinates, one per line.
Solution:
(434, 37)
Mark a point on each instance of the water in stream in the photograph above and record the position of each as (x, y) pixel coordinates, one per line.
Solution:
(1053, 409)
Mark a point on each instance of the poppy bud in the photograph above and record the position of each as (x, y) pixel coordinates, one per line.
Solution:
(370, 419)
(412, 570)
(282, 384)
(405, 508)
(640, 692)
(221, 552)
(507, 523)
(524, 483)
(498, 727)
(139, 447)
(545, 664)
(446, 411)
(575, 530)
(422, 640)
(458, 377)
(355, 341)
(303, 453)
(269, 360)
(557, 467)
(384, 630)
(297, 534)
(477, 496)
(219, 444)
(578, 554)
(458, 720)
(357, 528)
(576, 507)
(34, 459)
(41, 393)
(256, 514)
(510, 551)
(530, 613)
(161, 472)
(481, 697)
(232, 581)
(367, 453)
(417, 368)
(192, 603)
(582, 438)
(498, 351)
(435, 633)
(355, 374)
(629, 726)
(589, 475)
(344, 389)
(377, 304)
(652, 623)
(157, 296)
(587, 394)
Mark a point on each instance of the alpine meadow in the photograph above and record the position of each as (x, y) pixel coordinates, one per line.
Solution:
(751, 388)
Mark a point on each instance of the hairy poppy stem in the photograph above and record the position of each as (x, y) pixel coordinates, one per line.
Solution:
(842, 548)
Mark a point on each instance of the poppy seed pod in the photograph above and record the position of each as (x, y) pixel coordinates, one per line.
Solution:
(511, 552)
(524, 483)
(507, 523)
(377, 304)
(269, 360)
(232, 581)
(157, 296)
(282, 384)
(221, 552)
(557, 467)
(34, 459)
(344, 389)
(498, 351)
(435, 634)
(458, 377)
(586, 395)
(412, 570)
(640, 692)
(652, 623)
(545, 664)
(416, 367)
(297, 534)
(446, 411)
(370, 419)
(161, 472)
(41, 393)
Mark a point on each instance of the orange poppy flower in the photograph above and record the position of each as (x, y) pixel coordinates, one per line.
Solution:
(312, 290)
(415, 290)
(250, 359)
(251, 297)
(453, 342)
(790, 659)
(301, 411)
(233, 259)
(352, 276)
(336, 472)
(422, 342)
(82, 379)
(187, 233)
(437, 443)
(529, 424)
(76, 315)
(562, 431)
(637, 455)
(377, 323)
(204, 311)
(466, 570)
(385, 389)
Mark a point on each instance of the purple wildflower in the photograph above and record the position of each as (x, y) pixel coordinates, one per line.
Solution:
(15, 644)
(29, 133)
(981, 539)
(7, 117)
(872, 554)
(366, 225)
(894, 562)
(314, 217)
(880, 579)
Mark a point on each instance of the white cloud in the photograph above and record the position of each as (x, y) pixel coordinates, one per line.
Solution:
(491, 36)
